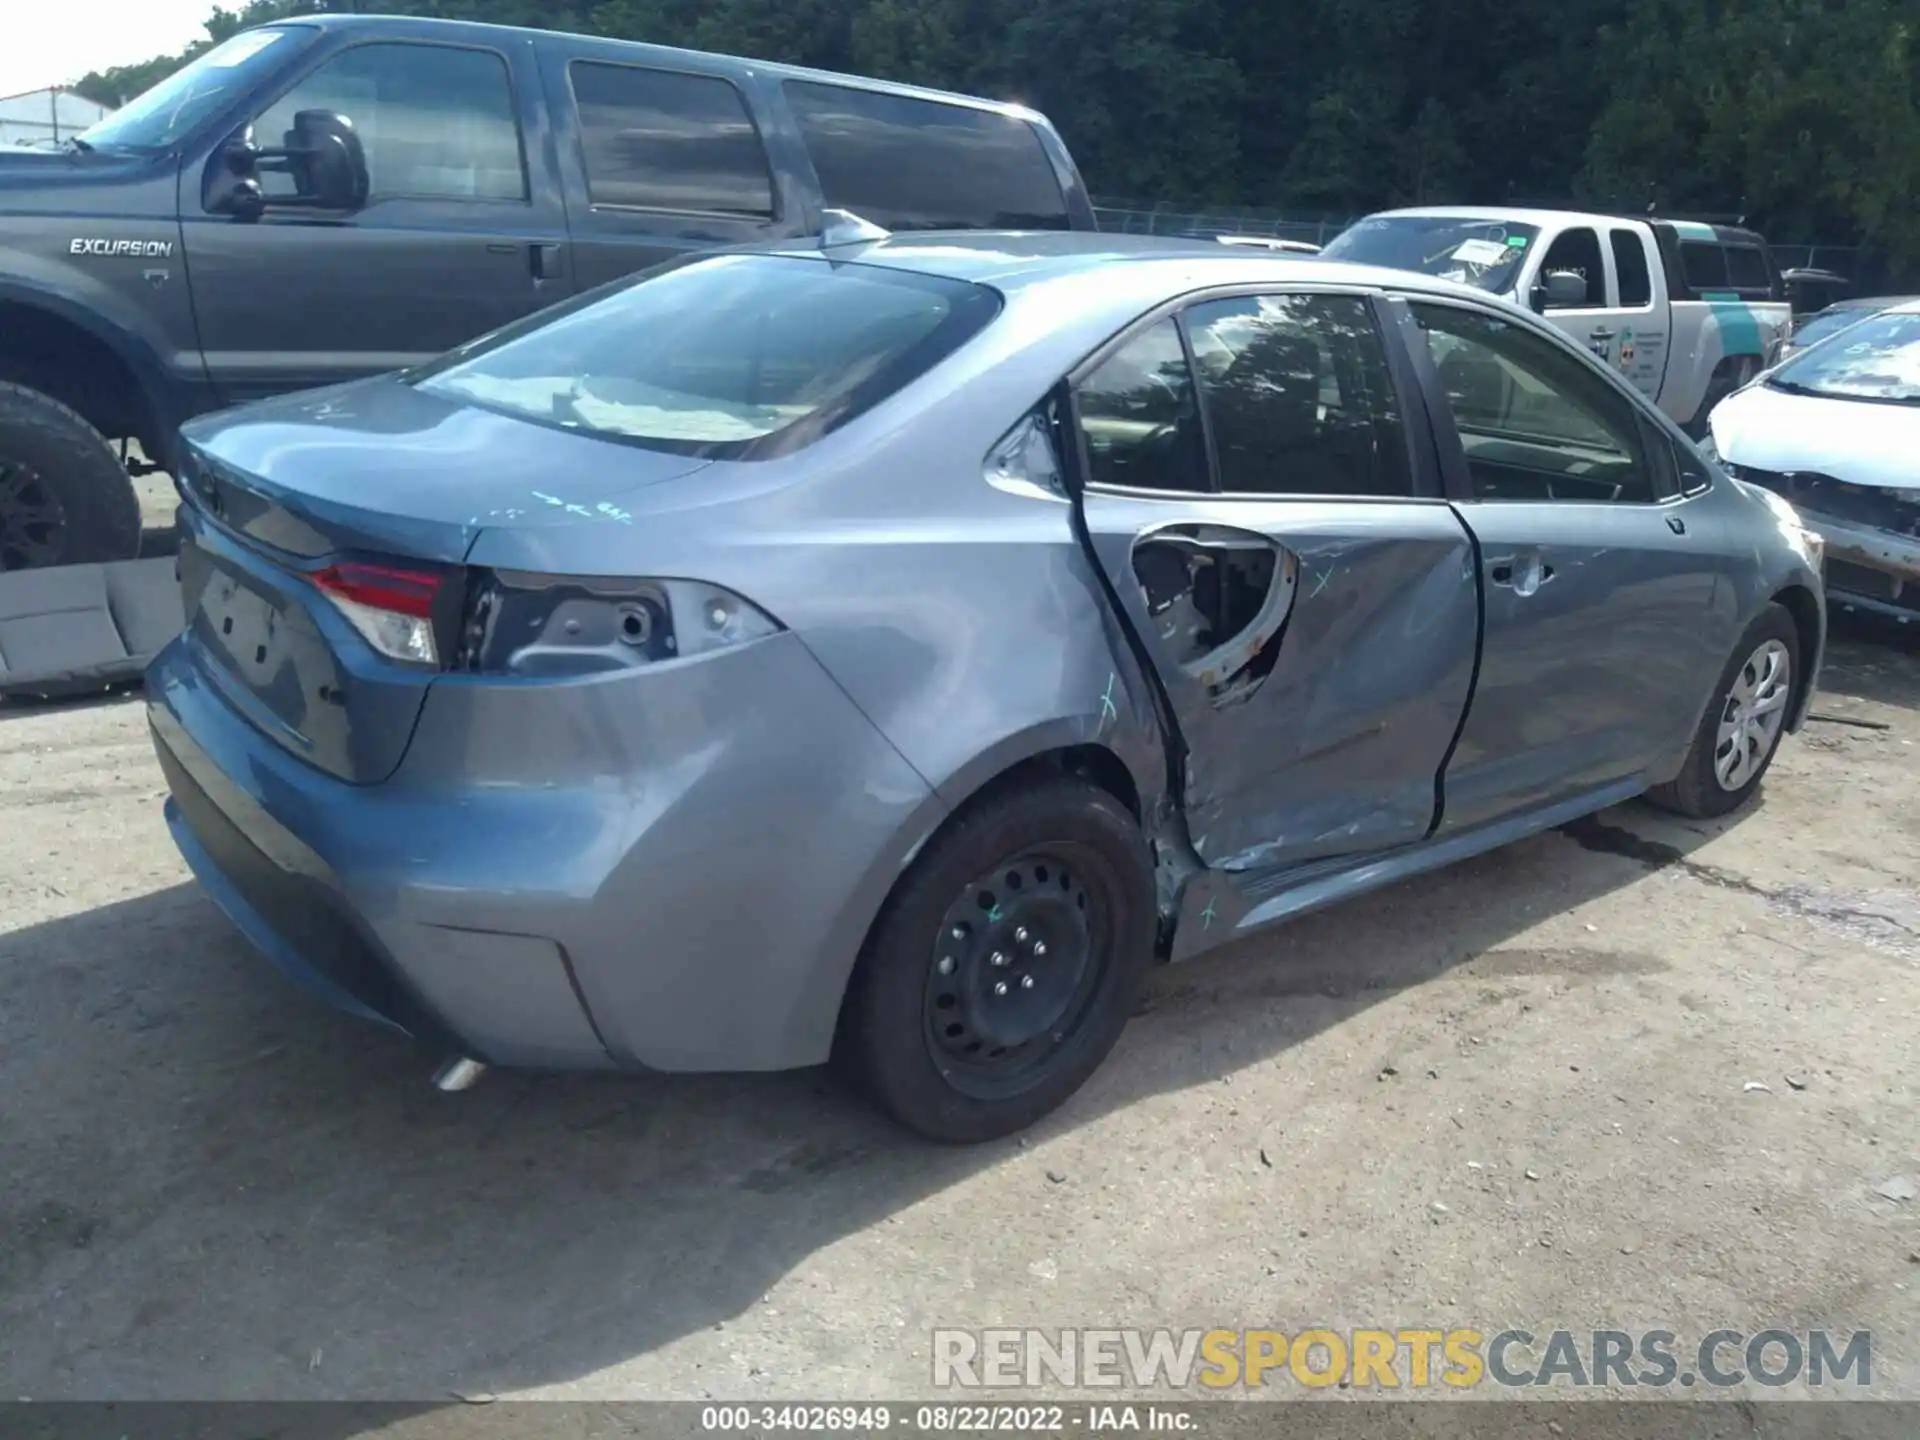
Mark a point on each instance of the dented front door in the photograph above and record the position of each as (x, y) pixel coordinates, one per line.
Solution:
(1316, 651)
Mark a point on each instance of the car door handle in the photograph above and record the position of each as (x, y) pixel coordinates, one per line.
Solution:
(544, 259)
(1676, 525)
(1523, 574)
(1600, 333)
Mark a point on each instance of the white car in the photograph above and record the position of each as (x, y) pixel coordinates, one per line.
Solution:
(1836, 430)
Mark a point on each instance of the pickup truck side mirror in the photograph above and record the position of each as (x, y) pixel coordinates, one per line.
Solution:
(1560, 290)
(324, 156)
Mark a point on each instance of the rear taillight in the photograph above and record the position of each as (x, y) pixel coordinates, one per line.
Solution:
(393, 607)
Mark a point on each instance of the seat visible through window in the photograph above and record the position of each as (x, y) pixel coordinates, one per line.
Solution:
(1297, 396)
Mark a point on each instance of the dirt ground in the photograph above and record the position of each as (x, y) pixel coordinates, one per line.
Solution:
(1637, 1073)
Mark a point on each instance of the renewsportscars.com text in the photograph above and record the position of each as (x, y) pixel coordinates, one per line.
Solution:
(1399, 1358)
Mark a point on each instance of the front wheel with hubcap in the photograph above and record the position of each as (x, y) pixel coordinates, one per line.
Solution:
(1741, 729)
(1003, 967)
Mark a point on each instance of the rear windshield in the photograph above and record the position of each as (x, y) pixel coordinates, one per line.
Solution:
(1878, 359)
(1486, 253)
(726, 357)
(165, 115)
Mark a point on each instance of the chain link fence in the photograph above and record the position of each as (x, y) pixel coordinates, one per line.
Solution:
(1138, 217)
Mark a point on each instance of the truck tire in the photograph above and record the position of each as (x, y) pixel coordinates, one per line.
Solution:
(65, 498)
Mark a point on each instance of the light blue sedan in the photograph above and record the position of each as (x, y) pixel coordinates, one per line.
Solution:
(889, 649)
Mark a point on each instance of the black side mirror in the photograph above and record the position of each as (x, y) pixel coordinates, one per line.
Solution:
(323, 155)
(327, 161)
(1560, 290)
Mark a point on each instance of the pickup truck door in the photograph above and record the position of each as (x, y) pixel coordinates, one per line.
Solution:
(1312, 618)
(1598, 322)
(1642, 317)
(463, 231)
(659, 161)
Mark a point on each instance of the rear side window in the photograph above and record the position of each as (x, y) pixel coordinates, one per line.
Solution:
(1747, 268)
(1630, 269)
(728, 357)
(912, 164)
(664, 140)
(1704, 264)
(437, 122)
(1140, 419)
(1297, 396)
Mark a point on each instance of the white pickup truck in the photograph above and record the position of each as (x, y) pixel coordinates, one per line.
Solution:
(1688, 312)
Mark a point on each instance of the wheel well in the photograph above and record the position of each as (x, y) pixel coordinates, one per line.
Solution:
(1093, 763)
(60, 359)
(1798, 602)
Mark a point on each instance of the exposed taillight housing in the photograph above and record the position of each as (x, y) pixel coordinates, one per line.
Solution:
(521, 623)
(401, 610)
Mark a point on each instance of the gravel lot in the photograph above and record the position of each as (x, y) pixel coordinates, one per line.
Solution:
(214, 1188)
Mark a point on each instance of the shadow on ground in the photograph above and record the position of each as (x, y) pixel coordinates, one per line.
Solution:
(211, 1180)
(207, 1166)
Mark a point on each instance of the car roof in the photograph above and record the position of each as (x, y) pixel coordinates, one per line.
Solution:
(642, 52)
(1547, 216)
(1023, 259)
(1517, 214)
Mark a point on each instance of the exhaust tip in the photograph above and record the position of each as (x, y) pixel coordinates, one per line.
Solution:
(458, 1073)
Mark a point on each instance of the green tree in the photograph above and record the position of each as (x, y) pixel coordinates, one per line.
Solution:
(1803, 114)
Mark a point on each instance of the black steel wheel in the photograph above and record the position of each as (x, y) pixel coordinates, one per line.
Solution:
(1004, 966)
(65, 498)
(33, 522)
(1016, 962)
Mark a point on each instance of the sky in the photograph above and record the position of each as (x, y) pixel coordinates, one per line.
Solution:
(54, 42)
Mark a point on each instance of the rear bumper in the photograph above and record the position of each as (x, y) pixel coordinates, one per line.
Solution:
(298, 911)
(671, 871)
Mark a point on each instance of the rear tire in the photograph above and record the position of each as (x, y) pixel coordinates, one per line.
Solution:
(65, 498)
(1737, 738)
(1004, 965)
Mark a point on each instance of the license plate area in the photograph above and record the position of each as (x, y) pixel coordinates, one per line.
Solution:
(272, 646)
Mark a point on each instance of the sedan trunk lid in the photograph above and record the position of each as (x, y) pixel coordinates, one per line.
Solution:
(374, 472)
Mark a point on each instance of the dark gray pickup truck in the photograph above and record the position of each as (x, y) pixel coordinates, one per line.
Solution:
(321, 200)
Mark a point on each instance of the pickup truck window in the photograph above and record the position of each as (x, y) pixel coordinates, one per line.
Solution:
(166, 114)
(911, 164)
(1535, 422)
(1577, 251)
(437, 121)
(1483, 253)
(1297, 396)
(666, 140)
(1747, 268)
(1630, 269)
(1704, 265)
(739, 357)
